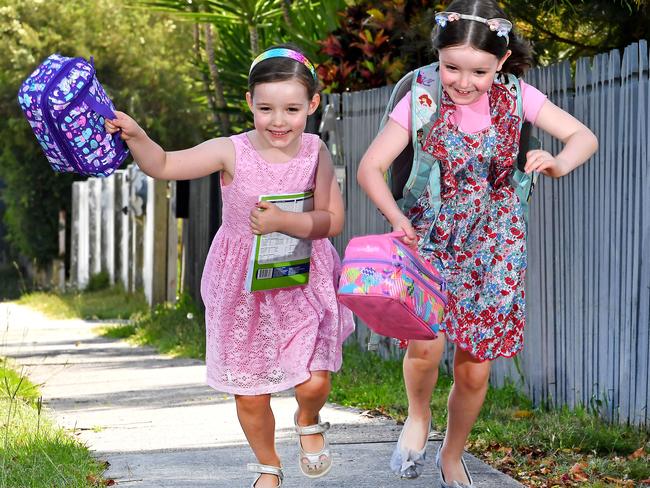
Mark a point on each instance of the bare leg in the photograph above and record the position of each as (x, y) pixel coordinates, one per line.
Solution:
(465, 401)
(311, 396)
(420, 368)
(258, 423)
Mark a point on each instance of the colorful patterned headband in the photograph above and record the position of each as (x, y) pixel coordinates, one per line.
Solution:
(281, 52)
(501, 26)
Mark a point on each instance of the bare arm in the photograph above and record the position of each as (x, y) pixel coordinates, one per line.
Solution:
(388, 144)
(579, 142)
(206, 158)
(326, 220)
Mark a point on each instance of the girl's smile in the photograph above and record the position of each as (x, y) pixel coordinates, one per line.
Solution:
(278, 134)
(280, 110)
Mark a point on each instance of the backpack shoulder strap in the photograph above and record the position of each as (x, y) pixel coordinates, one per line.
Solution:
(425, 108)
(522, 183)
(399, 90)
(425, 97)
(512, 84)
(398, 172)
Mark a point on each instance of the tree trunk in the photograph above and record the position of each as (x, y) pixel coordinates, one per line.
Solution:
(254, 37)
(285, 5)
(220, 99)
(206, 80)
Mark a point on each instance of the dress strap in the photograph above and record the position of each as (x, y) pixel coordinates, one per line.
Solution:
(312, 144)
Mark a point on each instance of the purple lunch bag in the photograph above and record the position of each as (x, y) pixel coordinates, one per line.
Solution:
(66, 107)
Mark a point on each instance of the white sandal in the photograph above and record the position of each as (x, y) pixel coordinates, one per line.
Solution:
(314, 464)
(265, 469)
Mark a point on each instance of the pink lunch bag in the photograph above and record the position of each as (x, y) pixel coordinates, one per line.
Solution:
(394, 292)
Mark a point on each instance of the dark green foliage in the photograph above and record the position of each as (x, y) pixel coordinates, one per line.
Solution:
(12, 283)
(98, 281)
(141, 62)
(376, 43)
(563, 29)
(239, 31)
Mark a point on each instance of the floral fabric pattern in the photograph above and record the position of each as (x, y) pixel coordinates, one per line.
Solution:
(478, 238)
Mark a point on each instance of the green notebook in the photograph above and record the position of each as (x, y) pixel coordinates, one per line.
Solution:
(278, 260)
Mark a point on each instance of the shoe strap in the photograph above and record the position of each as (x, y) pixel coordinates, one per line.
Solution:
(313, 429)
(265, 469)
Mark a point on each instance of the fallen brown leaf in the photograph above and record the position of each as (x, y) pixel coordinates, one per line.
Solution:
(577, 472)
(639, 453)
(523, 414)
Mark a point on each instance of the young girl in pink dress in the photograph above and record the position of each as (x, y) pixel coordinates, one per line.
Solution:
(267, 341)
(477, 238)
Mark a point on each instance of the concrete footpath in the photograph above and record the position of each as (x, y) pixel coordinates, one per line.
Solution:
(158, 425)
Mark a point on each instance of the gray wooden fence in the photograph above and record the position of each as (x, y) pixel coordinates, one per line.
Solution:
(198, 231)
(125, 226)
(588, 281)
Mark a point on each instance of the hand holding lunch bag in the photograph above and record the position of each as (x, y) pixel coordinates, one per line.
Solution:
(66, 106)
(394, 292)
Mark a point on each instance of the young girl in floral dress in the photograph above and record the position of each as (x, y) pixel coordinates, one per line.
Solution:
(477, 237)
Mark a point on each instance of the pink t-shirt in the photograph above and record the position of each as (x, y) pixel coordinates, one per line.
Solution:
(475, 116)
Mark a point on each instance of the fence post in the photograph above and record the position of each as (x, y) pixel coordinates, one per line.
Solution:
(137, 207)
(203, 222)
(107, 213)
(58, 264)
(81, 229)
(74, 235)
(155, 242)
(121, 218)
(95, 227)
(172, 244)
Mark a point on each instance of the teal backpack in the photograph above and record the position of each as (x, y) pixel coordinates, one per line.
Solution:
(414, 169)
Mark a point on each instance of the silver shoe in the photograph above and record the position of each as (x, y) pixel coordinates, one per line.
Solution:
(454, 484)
(406, 462)
(314, 464)
(265, 469)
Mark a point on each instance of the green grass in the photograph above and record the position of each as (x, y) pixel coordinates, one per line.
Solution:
(112, 303)
(534, 445)
(36, 453)
(178, 329)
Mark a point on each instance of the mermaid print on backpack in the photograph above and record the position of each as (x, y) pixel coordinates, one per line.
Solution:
(66, 107)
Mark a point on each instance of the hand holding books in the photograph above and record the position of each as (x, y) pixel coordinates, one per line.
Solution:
(265, 218)
(278, 260)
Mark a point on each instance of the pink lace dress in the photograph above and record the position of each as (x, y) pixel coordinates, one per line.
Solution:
(268, 341)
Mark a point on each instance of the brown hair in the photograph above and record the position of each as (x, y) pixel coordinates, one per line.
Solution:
(282, 69)
(478, 35)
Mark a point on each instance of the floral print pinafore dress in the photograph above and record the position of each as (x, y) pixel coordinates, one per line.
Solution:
(478, 240)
